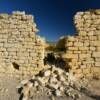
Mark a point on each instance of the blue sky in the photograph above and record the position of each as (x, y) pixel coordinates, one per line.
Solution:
(54, 18)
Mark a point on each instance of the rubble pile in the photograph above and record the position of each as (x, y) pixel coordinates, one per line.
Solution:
(51, 81)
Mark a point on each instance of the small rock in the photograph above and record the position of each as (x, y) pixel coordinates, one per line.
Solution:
(54, 75)
(53, 80)
(66, 83)
(33, 77)
(42, 80)
(60, 71)
(49, 93)
(58, 93)
(47, 73)
(36, 83)
(53, 86)
(61, 88)
(62, 78)
(67, 74)
(24, 82)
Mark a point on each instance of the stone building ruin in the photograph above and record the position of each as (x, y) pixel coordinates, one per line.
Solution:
(19, 43)
(22, 47)
(83, 49)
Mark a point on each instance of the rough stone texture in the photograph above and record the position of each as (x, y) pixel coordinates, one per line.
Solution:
(56, 83)
(19, 43)
(84, 46)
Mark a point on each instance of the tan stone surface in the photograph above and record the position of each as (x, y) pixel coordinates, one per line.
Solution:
(85, 46)
(19, 42)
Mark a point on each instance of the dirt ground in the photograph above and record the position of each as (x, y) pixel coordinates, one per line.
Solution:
(8, 90)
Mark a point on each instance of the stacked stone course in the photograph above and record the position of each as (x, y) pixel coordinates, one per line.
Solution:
(83, 49)
(19, 43)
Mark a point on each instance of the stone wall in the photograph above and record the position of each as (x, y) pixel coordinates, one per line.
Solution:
(19, 43)
(83, 49)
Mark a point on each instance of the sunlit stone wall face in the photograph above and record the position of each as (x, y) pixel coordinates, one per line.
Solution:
(83, 49)
(18, 41)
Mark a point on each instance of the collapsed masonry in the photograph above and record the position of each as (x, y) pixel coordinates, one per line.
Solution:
(83, 49)
(19, 44)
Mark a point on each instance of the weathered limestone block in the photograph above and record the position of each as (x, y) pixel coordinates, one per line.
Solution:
(86, 71)
(83, 33)
(96, 54)
(92, 48)
(97, 64)
(97, 48)
(77, 52)
(68, 44)
(84, 56)
(70, 56)
(78, 71)
(93, 38)
(83, 48)
(86, 43)
(71, 39)
(97, 59)
(72, 48)
(95, 43)
(78, 44)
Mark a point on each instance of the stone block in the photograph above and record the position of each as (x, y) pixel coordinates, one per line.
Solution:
(97, 49)
(71, 39)
(82, 33)
(97, 64)
(96, 54)
(8, 45)
(86, 43)
(77, 52)
(12, 49)
(69, 44)
(72, 48)
(1, 44)
(85, 56)
(96, 69)
(2, 49)
(83, 48)
(70, 56)
(92, 48)
(77, 71)
(78, 44)
(95, 43)
(92, 38)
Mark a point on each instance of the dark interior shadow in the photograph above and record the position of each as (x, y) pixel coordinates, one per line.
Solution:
(21, 97)
(96, 97)
(20, 90)
(49, 59)
(16, 66)
(57, 61)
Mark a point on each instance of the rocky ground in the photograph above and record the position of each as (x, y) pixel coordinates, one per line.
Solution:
(52, 89)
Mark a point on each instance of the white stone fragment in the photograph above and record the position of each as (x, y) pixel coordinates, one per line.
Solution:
(47, 73)
(58, 93)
